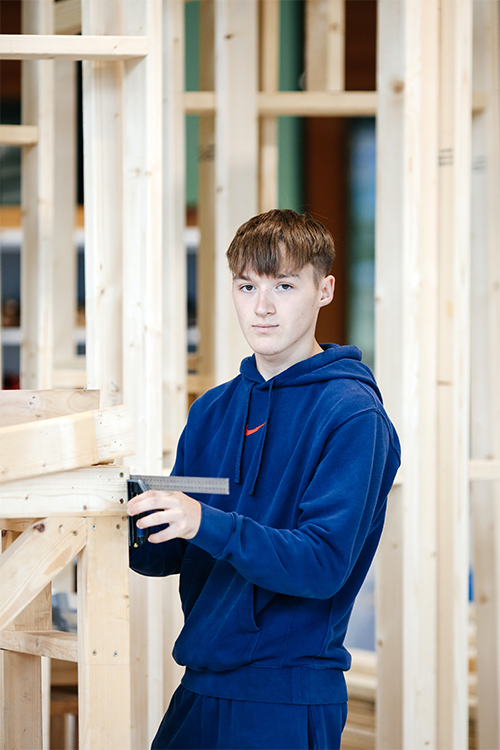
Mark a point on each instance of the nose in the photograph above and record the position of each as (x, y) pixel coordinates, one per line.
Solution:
(263, 303)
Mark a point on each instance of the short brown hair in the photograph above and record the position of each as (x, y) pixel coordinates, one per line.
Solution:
(281, 239)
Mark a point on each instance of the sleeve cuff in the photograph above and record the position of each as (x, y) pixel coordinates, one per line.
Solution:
(215, 530)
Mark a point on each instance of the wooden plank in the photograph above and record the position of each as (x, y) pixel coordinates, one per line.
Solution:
(51, 643)
(20, 693)
(19, 407)
(21, 676)
(419, 376)
(389, 363)
(455, 104)
(39, 553)
(174, 250)
(142, 236)
(104, 652)
(18, 135)
(487, 469)
(236, 160)
(64, 443)
(318, 103)
(65, 271)
(67, 47)
(37, 202)
(206, 209)
(17, 524)
(68, 17)
(142, 328)
(103, 194)
(485, 369)
(269, 82)
(297, 103)
(100, 490)
(307, 103)
(325, 45)
(168, 619)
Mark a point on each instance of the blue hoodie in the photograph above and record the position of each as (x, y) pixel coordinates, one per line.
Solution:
(269, 581)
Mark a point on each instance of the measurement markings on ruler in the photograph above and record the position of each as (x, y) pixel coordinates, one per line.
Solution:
(206, 485)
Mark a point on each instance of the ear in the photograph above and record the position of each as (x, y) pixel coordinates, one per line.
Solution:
(326, 287)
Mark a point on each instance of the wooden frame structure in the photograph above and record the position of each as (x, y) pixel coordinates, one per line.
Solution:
(438, 110)
(54, 506)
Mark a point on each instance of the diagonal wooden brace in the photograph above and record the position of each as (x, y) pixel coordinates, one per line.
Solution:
(32, 561)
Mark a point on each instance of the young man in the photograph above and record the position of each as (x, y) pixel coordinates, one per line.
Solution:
(269, 574)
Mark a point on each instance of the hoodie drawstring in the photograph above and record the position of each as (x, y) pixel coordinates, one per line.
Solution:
(239, 455)
(263, 440)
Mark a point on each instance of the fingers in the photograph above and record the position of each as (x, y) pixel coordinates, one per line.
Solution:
(181, 512)
(151, 500)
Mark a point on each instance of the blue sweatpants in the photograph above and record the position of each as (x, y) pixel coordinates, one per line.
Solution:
(199, 722)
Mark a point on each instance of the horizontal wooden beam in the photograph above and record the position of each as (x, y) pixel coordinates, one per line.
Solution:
(65, 443)
(298, 103)
(17, 524)
(68, 47)
(20, 407)
(317, 103)
(18, 135)
(97, 491)
(306, 103)
(34, 559)
(486, 470)
(52, 643)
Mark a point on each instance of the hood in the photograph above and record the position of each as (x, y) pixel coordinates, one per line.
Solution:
(334, 362)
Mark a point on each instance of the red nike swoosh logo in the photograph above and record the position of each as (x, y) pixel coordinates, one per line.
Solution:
(250, 432)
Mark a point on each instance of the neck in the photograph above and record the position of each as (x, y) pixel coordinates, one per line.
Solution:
(270, 366)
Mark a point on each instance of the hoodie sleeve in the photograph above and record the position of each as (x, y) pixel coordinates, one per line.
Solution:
(341, 508)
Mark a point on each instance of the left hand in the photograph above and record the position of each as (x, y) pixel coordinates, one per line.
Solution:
(181, 512)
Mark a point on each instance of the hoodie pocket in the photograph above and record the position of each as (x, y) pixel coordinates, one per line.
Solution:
(220, 631)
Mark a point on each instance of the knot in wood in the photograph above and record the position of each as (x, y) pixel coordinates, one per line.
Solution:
(39, 527)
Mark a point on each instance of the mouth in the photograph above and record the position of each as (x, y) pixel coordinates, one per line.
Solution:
(258, 327)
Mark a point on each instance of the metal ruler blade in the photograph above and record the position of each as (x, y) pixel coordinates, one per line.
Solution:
(206, 485)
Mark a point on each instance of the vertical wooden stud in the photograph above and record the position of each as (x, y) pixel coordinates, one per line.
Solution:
(104, 636)
(37, 187)
(455, 105)
(325, 45)
(102, 138)
(174, 254)
(389, 363)
(269, 18)
(206, 205)
(485, 367)
(236, 162)
(142, 329)
(65, 281)
(174, 292)
(21, 676)
(420, 321)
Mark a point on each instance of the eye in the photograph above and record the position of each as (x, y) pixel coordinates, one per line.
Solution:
(285, 286)
(247, 287)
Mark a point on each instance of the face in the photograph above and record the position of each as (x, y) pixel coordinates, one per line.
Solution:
(278, 315)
